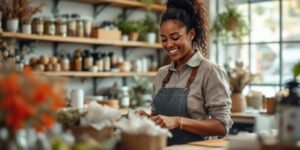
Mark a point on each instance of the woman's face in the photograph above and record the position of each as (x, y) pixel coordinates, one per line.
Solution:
(177, 41)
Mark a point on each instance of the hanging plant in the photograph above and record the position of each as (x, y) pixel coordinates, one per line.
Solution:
(230, 23)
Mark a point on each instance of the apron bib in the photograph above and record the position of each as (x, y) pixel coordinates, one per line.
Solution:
(173, 102)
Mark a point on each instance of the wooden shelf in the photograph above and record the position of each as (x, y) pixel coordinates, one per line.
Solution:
(98, 74)
(93, 41)
(126, 4)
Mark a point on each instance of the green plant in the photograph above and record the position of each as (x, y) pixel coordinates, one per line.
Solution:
(134, 26)
(296, 70)
(140, 87)
(230, 24)
(127, 27)
(149, 24)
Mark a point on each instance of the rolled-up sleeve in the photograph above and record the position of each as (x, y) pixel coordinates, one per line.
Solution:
(217, 96)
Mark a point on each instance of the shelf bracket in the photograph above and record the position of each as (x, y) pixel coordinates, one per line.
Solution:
(55, 9)
(98, 9)
(55, 48)
(124, 81)
(95, 85)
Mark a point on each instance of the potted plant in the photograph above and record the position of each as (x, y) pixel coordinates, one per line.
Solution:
(134, 29)
(141, 87)
(128, 28)
(15, 11)
(26, 14)
(149, 29)
(296, 71)
(230, 24)
(10, 10)
(122, 26)
(239, 78)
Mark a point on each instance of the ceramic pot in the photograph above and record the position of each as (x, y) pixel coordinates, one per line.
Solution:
(151, 38)
(12, 25)
(238, 102)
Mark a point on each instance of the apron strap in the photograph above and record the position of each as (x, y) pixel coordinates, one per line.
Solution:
(192, 77)
(189, 82)
(167, 78)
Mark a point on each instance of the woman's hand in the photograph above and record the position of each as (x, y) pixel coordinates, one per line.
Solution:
(166, 121)
(142, 113)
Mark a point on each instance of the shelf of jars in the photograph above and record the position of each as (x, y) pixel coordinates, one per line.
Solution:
(97, 74)
(126, 4)
(80, 40)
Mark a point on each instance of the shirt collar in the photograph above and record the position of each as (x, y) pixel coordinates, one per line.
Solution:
(192, 62)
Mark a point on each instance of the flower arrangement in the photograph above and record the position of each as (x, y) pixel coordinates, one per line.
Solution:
(20, 9)
(239, 77)
(28, 100)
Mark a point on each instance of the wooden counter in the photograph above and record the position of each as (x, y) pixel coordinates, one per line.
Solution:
(201, 145)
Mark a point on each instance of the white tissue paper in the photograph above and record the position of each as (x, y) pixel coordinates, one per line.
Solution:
(136, 124)
(99, 116)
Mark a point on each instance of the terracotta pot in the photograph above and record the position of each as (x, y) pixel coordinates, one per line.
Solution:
(231, 25)
(238, 102)
(133, 36)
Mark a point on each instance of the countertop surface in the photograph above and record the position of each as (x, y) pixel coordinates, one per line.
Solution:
(219, 144)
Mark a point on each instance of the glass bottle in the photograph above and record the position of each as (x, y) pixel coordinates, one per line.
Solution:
(125, 99)
(77, 61)
(87, 61)
(106, 61)
(100, 63)
(64, 62)
(288, 111)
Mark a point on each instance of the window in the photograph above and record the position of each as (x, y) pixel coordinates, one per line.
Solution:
(271, 48)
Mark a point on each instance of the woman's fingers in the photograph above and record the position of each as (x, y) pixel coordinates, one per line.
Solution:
(141, 113)
(158, 120)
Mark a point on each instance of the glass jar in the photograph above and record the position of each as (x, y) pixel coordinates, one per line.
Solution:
(40, 26)
(87, 27)
(79, 28)
(33, 25)
(72, 25)
(61, 27)
(50, 26)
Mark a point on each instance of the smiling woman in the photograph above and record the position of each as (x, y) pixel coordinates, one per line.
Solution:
(191, 95)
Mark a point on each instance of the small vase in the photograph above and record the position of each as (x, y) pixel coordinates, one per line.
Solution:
(238, 102)
(151, 38)
(12, 25)
(26, 28)
(125, 38)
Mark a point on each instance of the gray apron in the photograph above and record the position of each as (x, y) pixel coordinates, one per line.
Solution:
(173, 102)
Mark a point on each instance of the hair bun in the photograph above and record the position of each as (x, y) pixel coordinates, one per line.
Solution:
(183, 4)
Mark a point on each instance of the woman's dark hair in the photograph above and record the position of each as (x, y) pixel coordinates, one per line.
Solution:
(192, 14)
